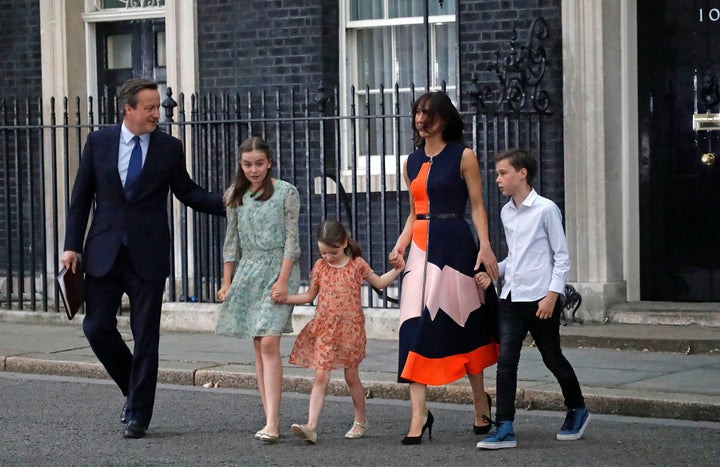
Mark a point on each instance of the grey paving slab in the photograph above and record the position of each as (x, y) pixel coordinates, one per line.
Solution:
(702, 381)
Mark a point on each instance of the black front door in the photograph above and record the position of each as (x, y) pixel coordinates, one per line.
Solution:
(129, 49)
(679, 75)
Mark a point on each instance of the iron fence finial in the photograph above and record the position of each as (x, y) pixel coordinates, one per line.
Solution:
(169, 105)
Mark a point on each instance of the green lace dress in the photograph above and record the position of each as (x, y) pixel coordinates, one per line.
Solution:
(259, 235)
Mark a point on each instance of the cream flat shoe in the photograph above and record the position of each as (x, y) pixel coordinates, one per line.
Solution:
(304, 433)
(267, 437)
(354, 433)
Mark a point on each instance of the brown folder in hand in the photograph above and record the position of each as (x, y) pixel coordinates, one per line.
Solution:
(72, 290)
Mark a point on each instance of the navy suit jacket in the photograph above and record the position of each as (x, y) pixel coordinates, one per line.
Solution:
(144, 217)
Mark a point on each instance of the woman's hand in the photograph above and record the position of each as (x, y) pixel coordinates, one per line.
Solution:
(396, 257)
(398, 250)
(222, 293)
(487, 258)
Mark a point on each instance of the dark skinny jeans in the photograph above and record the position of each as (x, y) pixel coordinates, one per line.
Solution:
(516, 319)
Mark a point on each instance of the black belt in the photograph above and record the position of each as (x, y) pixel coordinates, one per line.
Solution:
(441, 215)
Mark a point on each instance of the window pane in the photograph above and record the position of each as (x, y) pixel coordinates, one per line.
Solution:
(411, 63)
(414, 8)
(374, 57)
(368, 134)
(366, 9)
(448, 7)
(119, 51)
(444, 67)
(160, 49)
(403, 8)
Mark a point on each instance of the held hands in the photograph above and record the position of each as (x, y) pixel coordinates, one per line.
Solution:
(487, 258)
(396, 260)
(396, 257)
(279, 292)
(483, 280)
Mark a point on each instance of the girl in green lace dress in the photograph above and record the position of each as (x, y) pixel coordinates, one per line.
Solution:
(261, 250)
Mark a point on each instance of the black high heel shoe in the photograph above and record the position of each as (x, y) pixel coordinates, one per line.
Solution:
(484, 429)
(408, 440)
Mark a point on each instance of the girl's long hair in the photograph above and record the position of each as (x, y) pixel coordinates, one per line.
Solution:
(333, 234)
(234, 194)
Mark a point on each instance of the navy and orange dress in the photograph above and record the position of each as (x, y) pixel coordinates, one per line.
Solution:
(447, 321)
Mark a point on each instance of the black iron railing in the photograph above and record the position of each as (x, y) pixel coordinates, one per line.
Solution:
(345, 156)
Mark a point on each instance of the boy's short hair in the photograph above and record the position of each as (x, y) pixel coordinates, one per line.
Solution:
(519, 159)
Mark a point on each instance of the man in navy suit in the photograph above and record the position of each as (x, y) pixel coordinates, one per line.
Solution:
(127, 249)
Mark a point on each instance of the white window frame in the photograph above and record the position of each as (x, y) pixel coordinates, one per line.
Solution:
(348, 77)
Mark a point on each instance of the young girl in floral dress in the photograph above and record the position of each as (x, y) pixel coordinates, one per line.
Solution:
(335, 337)
(260, 266)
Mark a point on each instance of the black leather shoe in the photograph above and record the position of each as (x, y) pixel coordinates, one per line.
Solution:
(123, 414)
(135, 429)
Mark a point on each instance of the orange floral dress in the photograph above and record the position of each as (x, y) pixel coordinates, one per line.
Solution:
(335, 337)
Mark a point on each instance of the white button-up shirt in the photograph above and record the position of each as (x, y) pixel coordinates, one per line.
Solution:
(538, 260)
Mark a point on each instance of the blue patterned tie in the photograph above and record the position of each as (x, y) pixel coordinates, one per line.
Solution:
(134, 167)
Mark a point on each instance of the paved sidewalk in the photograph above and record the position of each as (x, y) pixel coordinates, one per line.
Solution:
(614, 380)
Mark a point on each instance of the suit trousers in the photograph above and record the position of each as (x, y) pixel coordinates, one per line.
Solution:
(515, 320)
(134, 372)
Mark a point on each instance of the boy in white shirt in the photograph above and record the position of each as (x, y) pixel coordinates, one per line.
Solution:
(535, 272)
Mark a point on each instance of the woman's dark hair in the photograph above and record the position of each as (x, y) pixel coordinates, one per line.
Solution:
(519, 159)
(333, 234)
(241, 184)
(438, 105)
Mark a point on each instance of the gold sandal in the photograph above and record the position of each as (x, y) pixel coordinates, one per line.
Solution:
(354, 434)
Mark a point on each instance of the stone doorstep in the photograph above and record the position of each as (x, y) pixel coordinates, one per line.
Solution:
(530, 395)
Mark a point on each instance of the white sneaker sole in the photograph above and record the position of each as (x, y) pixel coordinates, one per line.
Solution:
(496, 445)
(576, 436)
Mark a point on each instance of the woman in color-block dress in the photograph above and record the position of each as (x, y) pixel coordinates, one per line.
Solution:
(447, 323)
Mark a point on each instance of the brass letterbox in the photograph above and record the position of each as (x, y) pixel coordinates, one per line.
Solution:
(706, 122)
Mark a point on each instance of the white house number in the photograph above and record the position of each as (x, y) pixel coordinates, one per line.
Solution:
(713, 14)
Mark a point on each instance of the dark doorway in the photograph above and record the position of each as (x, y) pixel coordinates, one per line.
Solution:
(129, 49)
(679, 75)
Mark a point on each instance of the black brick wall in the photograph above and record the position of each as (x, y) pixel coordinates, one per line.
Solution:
(20, 70)
(20, 80)
(267, 44)
(486, 26)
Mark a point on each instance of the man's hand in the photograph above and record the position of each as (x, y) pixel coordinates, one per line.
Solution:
(69, 259)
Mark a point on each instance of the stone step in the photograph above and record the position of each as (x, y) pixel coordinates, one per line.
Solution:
(665, 313)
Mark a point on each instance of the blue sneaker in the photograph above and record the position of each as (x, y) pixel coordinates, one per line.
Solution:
(575, 422)
(502, 437)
